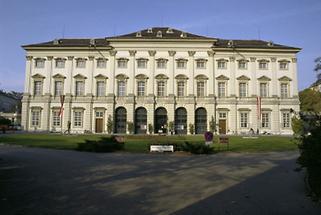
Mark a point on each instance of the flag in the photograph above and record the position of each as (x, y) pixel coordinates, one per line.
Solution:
(62, 100)
(258, 106)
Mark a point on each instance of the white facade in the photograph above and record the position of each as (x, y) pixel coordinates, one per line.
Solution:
(129, 79)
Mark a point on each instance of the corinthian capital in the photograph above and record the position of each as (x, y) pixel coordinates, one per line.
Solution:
(171, 53)
(132, 52)
(152, 53)
(191, 53)
(112, 52)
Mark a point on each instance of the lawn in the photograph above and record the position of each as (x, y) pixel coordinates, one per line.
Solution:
(140, 143)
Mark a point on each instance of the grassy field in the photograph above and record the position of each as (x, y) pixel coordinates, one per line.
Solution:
(138, 143)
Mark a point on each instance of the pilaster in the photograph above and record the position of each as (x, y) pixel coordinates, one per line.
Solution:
(295, 78)
(253, 82)
(29, 63)
(151, 81)
(274, 81)
(171, 66)
(232, 86)
(112, 83)
(191, 69)
(131, 89)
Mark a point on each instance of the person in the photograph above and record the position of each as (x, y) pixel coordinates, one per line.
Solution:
(69, 126)
(251, 131)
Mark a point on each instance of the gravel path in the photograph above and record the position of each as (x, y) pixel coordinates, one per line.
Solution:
(42, 181)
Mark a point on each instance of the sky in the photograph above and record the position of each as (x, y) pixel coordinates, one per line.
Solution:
(290, 22)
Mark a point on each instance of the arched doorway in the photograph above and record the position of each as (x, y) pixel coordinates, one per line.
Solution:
(120, 120)
(200, 121)
(181, 121)
(140, 120)
(160, 120)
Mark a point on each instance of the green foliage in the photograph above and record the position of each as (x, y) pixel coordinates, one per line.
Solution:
(4, 121)
(105, 144)
(150, 128)
(197, 148)
(171, 126)
(110, 124)
(310, 100)
(191, 128)
(297, 126)
(212, 125)
(130, 127)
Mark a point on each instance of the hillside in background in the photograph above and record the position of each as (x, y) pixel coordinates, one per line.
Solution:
(9, 101)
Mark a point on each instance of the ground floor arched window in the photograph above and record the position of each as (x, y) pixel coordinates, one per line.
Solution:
(180, 121)
(200, 121)
(160, 120)
(140, 120)
(120, 120)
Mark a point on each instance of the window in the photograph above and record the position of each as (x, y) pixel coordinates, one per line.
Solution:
(101, 63)
(35, 118)
(201, 64)
(181, 64)
(222, 115)
(265, 120)
(122, 63)
(80, 63)
(221, 89)
(283, 65)
(263, 90)
(99, 114)
(284, 90)
(244, 119)
(37, 88)
(142, 63)
(161, 64)
(80, 88)
(286, 120)
(200, 88)
(180, 88)
(121, 88)
(78, 115)
(242, 64)
(39, 63)
(58, 88)
(56, 119)
(140, 88)
(101, 88)
(243, 90)
(221, 64)
(60, 63)
(263, 65)
(161, 88)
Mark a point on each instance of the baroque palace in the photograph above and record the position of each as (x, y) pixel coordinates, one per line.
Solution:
(158, 77)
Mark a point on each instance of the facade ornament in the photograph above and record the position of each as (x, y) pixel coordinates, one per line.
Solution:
(210, 53)
(252, 59)
(171, 53)
(70, 57)
(112, 52)
(29, 57)
(152, 53)
(294, 60)
(91, 57)
(191, 53)
(273, 59)
(132, 52)
(232, 59)
(49, 57)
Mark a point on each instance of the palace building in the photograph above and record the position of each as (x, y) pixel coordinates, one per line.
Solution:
(157, 79)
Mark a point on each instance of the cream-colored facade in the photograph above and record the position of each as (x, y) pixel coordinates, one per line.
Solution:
(150, 79)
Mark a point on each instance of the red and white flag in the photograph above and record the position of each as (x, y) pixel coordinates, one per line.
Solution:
(62, 101)
(258, 106)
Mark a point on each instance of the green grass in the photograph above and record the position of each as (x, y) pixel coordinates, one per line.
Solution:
(138, 143)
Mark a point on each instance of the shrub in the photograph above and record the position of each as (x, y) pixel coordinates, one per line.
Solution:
(191, 128)
(110, 125)
(197, 148)
(130, 126)
(150, 128)
(105, 144)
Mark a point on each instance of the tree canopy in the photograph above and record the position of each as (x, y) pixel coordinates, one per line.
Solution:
(310, 100)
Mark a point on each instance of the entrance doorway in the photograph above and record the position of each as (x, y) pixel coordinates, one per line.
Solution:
(181, 121)
(200, 121)
(160, 120)
(99, 121)
(222, 126)
(120, 120)
(140, 121)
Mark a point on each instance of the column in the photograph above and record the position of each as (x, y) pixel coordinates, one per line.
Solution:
(191, 91)
(211, 78)
(232, 90)
(171, 80)
(112, 84)
(274, 81)
(29, 62)
(25, 112)
(253, 81)
(69, 83)
(151, 80)
(90, 72)
(295, 78)
(131, 89)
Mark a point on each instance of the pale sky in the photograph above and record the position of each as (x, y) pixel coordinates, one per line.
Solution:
(289, 22)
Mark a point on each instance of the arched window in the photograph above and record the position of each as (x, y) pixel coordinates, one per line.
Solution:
(200, 121)
(181, 121)
(120, 120)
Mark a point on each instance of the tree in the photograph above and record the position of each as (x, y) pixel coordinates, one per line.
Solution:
(110, 125)
(4, 121)
(317, 67)
(310, 100)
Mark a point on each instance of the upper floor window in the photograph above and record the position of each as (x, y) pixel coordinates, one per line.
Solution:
(284, 90)
(201, 64)
(181, 64)
(200, 88)
(263, 90)
(60, 63)
(142, 63)
(263, 64)
(285, 119)
(222, 64)
(58, 88)
(81, 63)
(39, 63)
(140, 88)
(161, 63)
(242, 64)
(121, 88)
(122, 63)
(101, 88)
(37, 88)
(242, 89)
(161, 88)
(221, 89)
(283, 65)
(180, 88)
(80, 88)
(101, 63)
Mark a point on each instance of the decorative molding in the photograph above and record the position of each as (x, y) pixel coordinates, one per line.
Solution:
(29, 57)
(181, 77)
(232, 59)
(80, 76)
(141, 76)
(273, 59)
(201, 77)
(222, 78)
(252, 59)
(294, 60)
(101, 76)
(181, 59)
(161, 76)
(285, 78)
(112, 52)
(201, 59)
(223, 109)
(38, 76)
(244, 109)
(171, 53)
(121, 77)
(243, 78)
(91, 57)
(191, 53)
(222, 59)
(70, 57)
(49, 57)
(152, 53)
(132, 52)
(264, 78)
(59, 76)
(210, 53)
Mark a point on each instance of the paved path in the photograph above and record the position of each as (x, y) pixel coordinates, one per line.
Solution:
(40, 181)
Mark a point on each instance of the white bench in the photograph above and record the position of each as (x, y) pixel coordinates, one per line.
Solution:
(161, 148)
